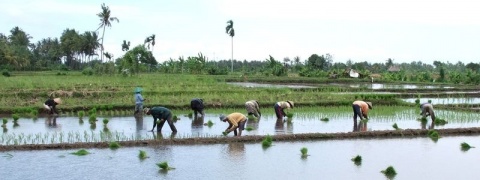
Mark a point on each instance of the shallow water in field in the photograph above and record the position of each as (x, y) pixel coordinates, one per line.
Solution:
(265, 85)
(468, 100)
(412, 158)
(69, 129)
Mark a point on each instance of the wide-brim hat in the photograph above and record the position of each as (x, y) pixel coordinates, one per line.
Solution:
(145, 110)
(138, 90)
(222, 117)
(290, 103)
(369, 105)
(58, 100)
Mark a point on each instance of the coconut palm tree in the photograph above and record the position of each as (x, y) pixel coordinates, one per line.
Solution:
(105, 20)
(150, 40)
(231, 32)
(125, 45)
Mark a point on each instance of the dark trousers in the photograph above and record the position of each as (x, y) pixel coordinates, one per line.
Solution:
(167, 118)
(357, 112)
(279, 111)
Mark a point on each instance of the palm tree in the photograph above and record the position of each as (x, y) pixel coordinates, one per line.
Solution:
(125, 45)
(231, 32)
(105, 20)
(150, 40)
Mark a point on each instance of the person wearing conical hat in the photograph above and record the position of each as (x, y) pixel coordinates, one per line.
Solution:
(253, 108)
(360, 109)
(138, 100)
(235, 121)
(51, 105)
(280, 108)
(163, 114)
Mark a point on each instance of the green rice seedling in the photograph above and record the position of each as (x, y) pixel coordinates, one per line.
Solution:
(440, 121)
(142, 155)
(15, 117)
(209, 123)
(325, 119)
(389, 172)
(357, 160)
(417, 101)
(465, 146)
(224, 133)
(92, 111)
(249, 128)
(34, 112)
(164, 166)
(267, 141)
(395, 126)
(304, 152)
(114, 145)
(289, 115)
(80, 114)
(92, 118)
(365, 120)
(430, 101)
(105, 121)
(433, 134)
(81, 152)
(190, 115)
(176, 118)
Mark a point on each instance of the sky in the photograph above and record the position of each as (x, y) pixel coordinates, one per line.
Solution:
(357, 30)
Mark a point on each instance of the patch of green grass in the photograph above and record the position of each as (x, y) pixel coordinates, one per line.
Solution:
(325, 119)
(142, 155)
(164, 165)
(465, 146)
(357, 160)
(389, 172)
(81, 152)
(114, 145)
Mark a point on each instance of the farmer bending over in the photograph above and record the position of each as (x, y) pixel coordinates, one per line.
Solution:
(427, 110)
(253, 108)
(280, 108)
(360, 108)
(50, 105)
(197, 106)
(235, 120)
(163, 114)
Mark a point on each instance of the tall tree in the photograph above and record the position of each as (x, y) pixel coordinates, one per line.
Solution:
(105, 20)
(231, 32)
(150, 40)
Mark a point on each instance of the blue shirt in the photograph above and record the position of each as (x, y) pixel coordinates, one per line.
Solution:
(138, 98)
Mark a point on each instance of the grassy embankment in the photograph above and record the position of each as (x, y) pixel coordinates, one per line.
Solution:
(24, 91)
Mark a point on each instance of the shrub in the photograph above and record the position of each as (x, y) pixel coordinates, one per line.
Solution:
(88, 71)
(5, 73)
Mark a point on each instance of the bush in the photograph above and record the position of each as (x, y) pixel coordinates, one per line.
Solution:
(88, 71)
(5, 73)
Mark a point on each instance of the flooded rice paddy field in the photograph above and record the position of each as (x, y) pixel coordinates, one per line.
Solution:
(467, 100)
(412, 158)
(307, 120)
(373, 86)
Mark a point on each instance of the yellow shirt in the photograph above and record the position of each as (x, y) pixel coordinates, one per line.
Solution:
(363, 106)
(235, 118)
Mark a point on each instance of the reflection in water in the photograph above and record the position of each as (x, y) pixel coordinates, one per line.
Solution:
(289, 127)
(197, 125)
(424, 125)
(139, 123)
(279, 127)
(159, 136)
(253, 123)
(362, 126)
(51, 123)
(236, 150)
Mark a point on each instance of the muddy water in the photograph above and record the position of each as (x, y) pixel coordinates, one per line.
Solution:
(390, 86)
(262, 85)
(303, 122)
(446, 100)
(416, 158)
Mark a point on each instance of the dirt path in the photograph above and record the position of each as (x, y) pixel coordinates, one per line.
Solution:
(407, 133)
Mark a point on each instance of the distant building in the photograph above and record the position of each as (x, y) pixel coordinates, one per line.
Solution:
(393, 68)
